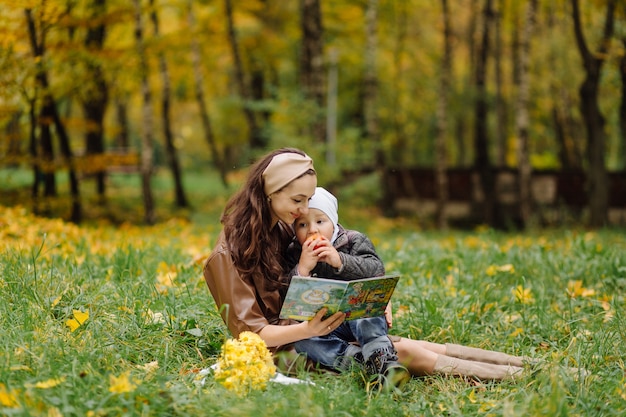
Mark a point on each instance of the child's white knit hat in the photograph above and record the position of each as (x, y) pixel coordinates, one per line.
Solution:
(326, 202)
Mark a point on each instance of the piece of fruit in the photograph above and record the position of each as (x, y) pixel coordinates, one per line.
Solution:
(315, 236)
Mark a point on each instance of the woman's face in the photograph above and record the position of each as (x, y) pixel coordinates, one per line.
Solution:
(293, 201)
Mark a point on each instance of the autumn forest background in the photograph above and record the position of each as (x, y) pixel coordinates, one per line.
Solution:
(126, 125)
(94, 88)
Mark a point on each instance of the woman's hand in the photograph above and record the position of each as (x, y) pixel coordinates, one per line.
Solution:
(389, 315)
(276, 335)
(320, 327)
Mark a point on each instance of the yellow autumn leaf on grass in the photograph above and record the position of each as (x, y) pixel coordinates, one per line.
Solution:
(8, 398)
(493, 269)
(523, 295)
(149, 367)
(166, 275)
(79, 319)
(472, 397)
(49, 383)
(576, 289)
(121, 384)
(54, 412)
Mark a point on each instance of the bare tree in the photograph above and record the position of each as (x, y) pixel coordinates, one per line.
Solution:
(522, 118)
(172, 153)
(147, 119)
(597, 176)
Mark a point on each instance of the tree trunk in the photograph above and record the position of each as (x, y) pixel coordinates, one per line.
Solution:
(33, 152)
(482, 161)
(441, 177)
(400, 140)
(45, 157)
(500, 102)
(199, 93)
(522, 117)
(622, 108)
(147, 122)
(95, 103)
(597, 177)
(121, 115)
(172, 153)
(312, 63)
(255, 140)
(370, 81)
(76, 213)
(49, 113)
(331, 109)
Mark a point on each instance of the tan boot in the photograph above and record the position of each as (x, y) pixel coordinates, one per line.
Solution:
(486, 356)
(447, 365)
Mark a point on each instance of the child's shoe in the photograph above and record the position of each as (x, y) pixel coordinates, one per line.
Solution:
(384, 366)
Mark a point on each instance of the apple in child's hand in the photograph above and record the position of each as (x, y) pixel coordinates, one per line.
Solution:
(315, 236)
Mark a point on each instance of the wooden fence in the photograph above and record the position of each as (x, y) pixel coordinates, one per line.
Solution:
(557, 196)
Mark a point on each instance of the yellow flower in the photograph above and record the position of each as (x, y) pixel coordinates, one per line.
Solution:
(79, 318)
(245, 364)
(121, 384)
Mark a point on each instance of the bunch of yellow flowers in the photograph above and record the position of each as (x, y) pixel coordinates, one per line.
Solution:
(245, 364)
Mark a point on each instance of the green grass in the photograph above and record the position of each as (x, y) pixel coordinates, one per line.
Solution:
(149, 307)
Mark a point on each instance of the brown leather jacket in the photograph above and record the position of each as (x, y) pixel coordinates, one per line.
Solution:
(242, 305)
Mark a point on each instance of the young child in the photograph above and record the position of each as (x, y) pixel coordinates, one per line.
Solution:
(325, 249)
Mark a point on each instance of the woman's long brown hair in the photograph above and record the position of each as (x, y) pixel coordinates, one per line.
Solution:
(257, 248)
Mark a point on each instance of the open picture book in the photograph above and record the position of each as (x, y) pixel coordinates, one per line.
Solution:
(359, 299)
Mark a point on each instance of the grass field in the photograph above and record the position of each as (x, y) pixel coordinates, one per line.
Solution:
(104, 321)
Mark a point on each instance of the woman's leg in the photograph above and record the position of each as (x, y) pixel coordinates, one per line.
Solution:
(426, 358)
(417, 355)
(486, 356)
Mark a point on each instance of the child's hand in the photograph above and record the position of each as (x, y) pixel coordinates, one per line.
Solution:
(309, 257)
(326, 252)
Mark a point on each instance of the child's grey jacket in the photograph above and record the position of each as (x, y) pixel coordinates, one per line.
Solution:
(358, 257)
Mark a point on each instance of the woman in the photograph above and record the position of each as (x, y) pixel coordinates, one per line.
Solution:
(247, 278)
(245, 272)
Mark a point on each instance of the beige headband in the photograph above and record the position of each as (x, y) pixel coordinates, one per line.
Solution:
(283, 169)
